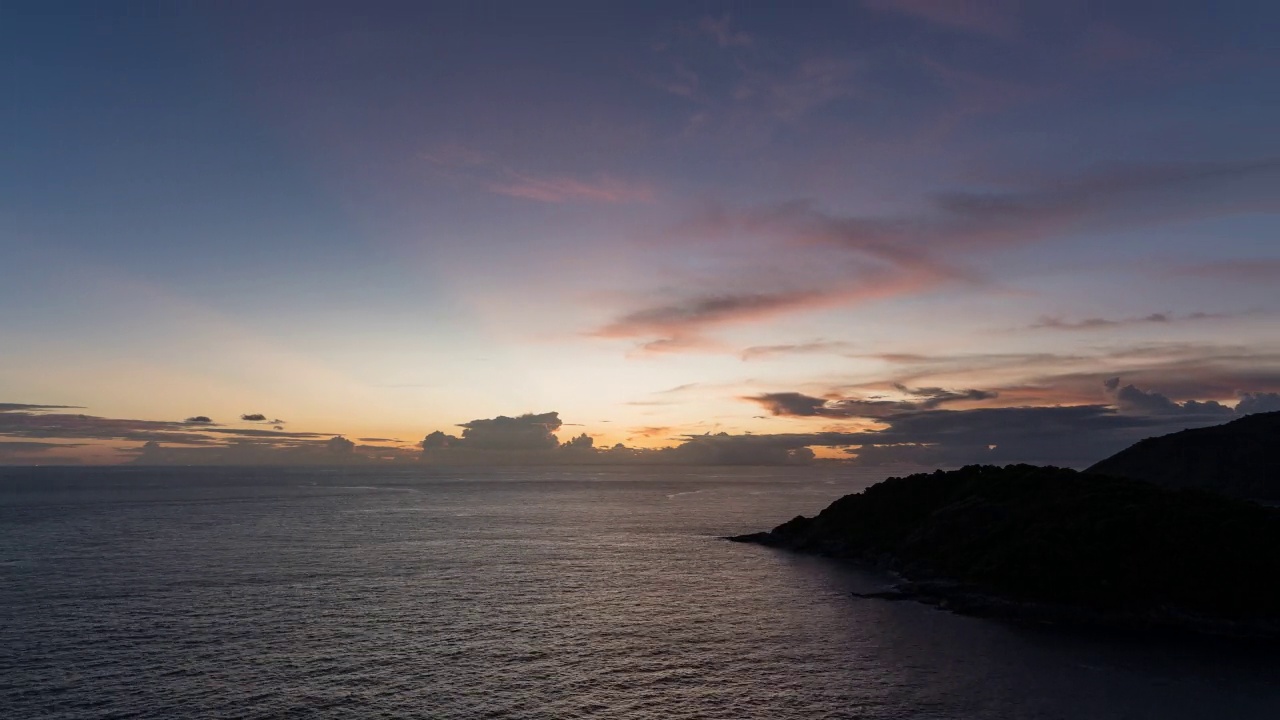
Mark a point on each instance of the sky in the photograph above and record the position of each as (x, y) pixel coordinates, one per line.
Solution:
(885, 231)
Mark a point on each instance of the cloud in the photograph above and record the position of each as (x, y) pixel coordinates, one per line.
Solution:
(334, 451)
(1073, 436)
(474, 167)
(648, 433)
(526, 432)
(28, 451)
(962, 221)
(1130, 399)
(1250, 270)
(438, 440)
(726, 449)
(45, 425)
(16, 407)
(993, 18)
(1057, 323)
(558, 190)
(39, 424)
(794, 404)
(675, 319)
(812, 85)
(1097, 323)
(339, 445)
(677, 326)
(253, 417)
(761, 352)
(1180, 370)
(275, 432)
(28, 446)
(743, 97)
(581, 443)
(913, 253)
(1251, 403)
(721, 30)
(1070, 435)
(524, 440)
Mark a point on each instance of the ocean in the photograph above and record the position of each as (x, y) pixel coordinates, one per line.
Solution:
(428, 593)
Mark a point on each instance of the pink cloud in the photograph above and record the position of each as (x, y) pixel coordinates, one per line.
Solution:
(916, 253)
(679, 326)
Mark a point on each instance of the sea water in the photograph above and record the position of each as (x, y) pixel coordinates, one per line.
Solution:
(429, 593)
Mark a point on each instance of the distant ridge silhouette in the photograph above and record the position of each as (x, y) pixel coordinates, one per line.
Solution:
(1240, 458)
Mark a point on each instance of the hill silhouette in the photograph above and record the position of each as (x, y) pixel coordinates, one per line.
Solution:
(1240, 458)
(1051, 543)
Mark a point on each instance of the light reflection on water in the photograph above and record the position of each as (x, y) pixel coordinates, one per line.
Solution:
(538, 594)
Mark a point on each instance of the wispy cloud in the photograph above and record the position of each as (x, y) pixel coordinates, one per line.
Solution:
(993, 18)
(648, 433)
(37, 422)
(722, 30)
(680, 325)
(916, 253)
(1250, 270)
(474, 167)
(1050, 322)
(551, 189)
(746, 90)
(679, 318)
(23, 450)
(967, 220)
(815, 347)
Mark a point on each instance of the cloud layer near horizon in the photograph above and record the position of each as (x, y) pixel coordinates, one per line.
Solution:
(911, 429)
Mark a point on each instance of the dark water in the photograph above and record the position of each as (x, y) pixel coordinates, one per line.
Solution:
(354, 594)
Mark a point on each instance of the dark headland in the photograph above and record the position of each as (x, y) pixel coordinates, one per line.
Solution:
(1051, 544)
(1240, 458)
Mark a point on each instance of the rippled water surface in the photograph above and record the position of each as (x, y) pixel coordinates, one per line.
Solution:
(182, 593)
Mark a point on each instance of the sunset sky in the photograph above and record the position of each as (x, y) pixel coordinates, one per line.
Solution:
(901, 230)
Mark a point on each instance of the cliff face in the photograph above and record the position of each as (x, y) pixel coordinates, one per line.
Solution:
(1240, 458)
(1049, 535)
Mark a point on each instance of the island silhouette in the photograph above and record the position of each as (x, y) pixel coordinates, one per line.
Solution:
(1054, 544)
